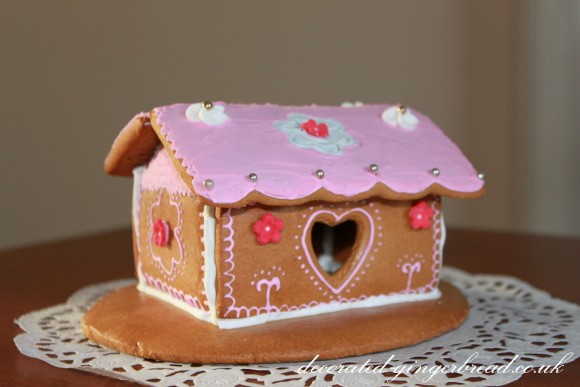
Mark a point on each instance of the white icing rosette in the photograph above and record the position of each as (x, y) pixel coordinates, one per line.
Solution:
(331, 144)
(215, 115)
(400, 116)
(349, 104)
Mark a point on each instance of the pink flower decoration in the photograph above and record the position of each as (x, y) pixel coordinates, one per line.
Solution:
(268, 228)
(160, 233)
(315, 129)
(420, 215)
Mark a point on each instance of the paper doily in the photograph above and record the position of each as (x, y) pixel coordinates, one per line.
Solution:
(511, 324)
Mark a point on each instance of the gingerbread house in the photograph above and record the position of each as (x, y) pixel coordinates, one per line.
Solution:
(245, 214)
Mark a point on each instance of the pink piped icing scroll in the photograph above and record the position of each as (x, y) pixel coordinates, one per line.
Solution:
(250, 143)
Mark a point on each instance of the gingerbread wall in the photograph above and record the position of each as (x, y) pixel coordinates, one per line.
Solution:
(389, 257)
(177, 267)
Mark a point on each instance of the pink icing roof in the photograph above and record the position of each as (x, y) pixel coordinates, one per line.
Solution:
(249, 142)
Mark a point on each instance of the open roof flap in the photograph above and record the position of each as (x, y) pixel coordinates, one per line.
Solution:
(134, 146)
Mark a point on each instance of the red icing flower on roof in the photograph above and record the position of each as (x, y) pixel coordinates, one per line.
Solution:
(160, 233)
(420, 215)
(315, 129)
(268, 228)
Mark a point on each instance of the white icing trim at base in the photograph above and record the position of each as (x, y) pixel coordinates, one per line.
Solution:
(210, 269)
(321, 308)
(166, 297)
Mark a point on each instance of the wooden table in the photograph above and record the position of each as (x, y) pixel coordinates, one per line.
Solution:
(39, 276)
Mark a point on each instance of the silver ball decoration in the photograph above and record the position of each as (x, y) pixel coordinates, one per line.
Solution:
(374, 168)
(481, 176)
(208, 183)
(319, 173)
(435, 172)
(253, 177)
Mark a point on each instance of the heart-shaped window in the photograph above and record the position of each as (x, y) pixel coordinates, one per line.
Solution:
(333, 245)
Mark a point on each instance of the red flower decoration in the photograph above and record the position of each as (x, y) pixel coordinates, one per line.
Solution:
(315, 129)
(160, 233)
(267, 229)
(420, 215)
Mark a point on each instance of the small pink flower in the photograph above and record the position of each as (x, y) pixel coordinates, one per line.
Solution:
(420, 215)
(160, 233)
(268, 228)
(315, 129)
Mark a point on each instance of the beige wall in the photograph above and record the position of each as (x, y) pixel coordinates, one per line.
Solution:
(73, 72)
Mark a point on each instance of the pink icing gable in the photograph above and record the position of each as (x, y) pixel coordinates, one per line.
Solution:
(161, 173)
(249, 142)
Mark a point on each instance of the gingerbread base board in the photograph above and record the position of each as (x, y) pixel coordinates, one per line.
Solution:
(140, 325)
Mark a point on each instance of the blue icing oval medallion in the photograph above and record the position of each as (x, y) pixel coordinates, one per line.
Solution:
(331, 144)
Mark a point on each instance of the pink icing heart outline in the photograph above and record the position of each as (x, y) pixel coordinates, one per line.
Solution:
(316, 268)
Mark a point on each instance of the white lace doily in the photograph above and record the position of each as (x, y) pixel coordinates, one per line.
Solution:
(508, 319)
